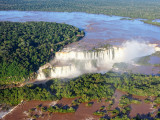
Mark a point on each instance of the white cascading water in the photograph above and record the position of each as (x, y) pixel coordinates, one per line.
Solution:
(41, 75)
(62, 71)
(71, 63)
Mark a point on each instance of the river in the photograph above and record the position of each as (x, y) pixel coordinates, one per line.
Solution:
(99, 28)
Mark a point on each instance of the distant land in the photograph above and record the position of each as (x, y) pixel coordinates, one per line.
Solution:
(147, 9)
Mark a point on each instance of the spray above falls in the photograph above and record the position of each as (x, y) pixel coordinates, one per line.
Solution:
(71, 62)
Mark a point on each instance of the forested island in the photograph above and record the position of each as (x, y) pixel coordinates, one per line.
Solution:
(24, 47)
(147, 9)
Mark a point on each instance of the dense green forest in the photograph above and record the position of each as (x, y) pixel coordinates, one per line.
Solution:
(24, 47)
(87, 87)
(15, 95)
(131, 8)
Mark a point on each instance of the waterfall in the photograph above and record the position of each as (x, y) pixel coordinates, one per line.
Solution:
(71, 63)
(41, 75)
(62, 71)
(85, 55)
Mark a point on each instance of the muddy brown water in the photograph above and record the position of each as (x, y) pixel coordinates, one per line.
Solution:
(82, 113)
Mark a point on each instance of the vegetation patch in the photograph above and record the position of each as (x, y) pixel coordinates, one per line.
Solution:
(143, 60)
(15, 95)
(151, 22)
(127, 100)
(157, 99)
(88, 87)
(61, 109)
(89, 104)
(101, 111)
(148, 100)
